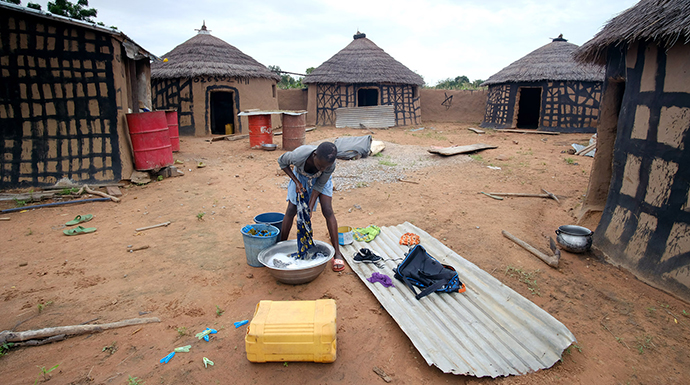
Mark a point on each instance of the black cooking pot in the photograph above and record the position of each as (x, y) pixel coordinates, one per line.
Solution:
(576, 239)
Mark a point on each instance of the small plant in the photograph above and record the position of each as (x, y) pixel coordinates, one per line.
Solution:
(651, 310)
(477, 157)
(68, 191)
(644, 343)
(361, 184)
(200, 216)
(41, 306)
(181, 331)
(285, 364)
(379, 155)
(684, 312)
(160, 178)
(529, 278)
(134, 381)
(570, 160)
(31, 232)
(219, 311)
(19, 203)
(5, 348)
(387, 162)
(45, 372)
(112, 348)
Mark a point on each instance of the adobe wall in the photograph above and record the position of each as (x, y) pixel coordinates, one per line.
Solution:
(645, 225)
(293, 99)
(325, 98)
(566, 106)
(457, 106)
(191, 98)
(61, 105)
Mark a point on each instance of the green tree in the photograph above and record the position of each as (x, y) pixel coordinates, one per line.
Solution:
(34, 6)
(17, 2)
(77, 11)
(458, 83)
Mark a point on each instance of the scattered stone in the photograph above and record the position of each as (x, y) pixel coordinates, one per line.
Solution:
(502, 157)
(140, 177)
(250, 275)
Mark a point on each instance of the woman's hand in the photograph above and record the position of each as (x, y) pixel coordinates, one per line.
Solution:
(299, 188)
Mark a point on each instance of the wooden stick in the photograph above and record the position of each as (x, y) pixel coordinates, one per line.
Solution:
(382, 374)
(104, 195)
(407, 181)
(528, 131)
(587, 149)
(153, 227)
(551, 261)
(139, 248)
(8, 336)
(475, 130)
(491, 195)
(5, 219)
(278, 133)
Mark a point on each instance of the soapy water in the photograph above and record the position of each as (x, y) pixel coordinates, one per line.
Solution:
(288, 261)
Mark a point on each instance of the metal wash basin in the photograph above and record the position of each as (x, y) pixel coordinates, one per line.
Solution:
(297, 271)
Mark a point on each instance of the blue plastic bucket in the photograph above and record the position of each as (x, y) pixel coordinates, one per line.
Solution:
(275, 219)
(253, 244)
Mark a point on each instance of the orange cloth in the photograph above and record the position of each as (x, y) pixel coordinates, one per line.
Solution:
(409, 239)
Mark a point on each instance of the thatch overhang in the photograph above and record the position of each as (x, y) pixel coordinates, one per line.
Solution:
(665, 22)
(132, 50)
(553, 61)
(207, 55)
(362, 61)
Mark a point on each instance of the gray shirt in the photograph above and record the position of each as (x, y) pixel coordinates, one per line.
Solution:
(298, 157)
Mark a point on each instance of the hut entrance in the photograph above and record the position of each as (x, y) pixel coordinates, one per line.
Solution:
(528, 107)
(222, 113)
(367, 97)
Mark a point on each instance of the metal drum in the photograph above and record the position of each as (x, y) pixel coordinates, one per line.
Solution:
(294, 133)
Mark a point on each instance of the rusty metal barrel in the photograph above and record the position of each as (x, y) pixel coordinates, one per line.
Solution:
(260, 130)
(294, 133)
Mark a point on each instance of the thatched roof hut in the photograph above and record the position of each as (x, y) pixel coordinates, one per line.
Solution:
(639, 178)
(553, 61)
(363, 75)
(208, 82)
(205, 54)
(547, 90)
(362, 61)
(664, 22)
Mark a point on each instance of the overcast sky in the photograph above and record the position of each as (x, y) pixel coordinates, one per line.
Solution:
(438, 39)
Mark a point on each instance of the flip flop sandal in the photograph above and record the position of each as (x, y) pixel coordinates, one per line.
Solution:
(79, 230)
(338, 264)
(79, 219)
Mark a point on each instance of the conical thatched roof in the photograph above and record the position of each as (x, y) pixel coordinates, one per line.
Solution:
(362, 61)
(553, 61)
(208, 55)
(662, 21)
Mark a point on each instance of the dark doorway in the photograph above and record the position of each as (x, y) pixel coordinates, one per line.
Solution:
(367, 97)
(222, 113)
(528, 108)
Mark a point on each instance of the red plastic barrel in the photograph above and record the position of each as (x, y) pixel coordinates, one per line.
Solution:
(260, 130)
(150, 140)
(294, 133)
(173, 131)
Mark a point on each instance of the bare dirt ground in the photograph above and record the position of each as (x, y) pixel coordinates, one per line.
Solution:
(627, 331)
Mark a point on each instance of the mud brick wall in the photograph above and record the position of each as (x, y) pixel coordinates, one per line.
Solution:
(58, 109)
(645, 225)
(566, 106)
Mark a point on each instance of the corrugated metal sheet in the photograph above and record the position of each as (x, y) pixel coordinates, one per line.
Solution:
(489, 330)
(371, 117)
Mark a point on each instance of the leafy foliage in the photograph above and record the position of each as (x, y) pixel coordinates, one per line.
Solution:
(458, 83)
(287, 81)
(77, 11)
(34, 6)
(17, 2)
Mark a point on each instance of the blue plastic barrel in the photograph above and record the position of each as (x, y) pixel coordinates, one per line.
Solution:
(253, 244)
(275, 219)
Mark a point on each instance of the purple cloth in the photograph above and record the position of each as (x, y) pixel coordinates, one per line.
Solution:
(381, 278)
